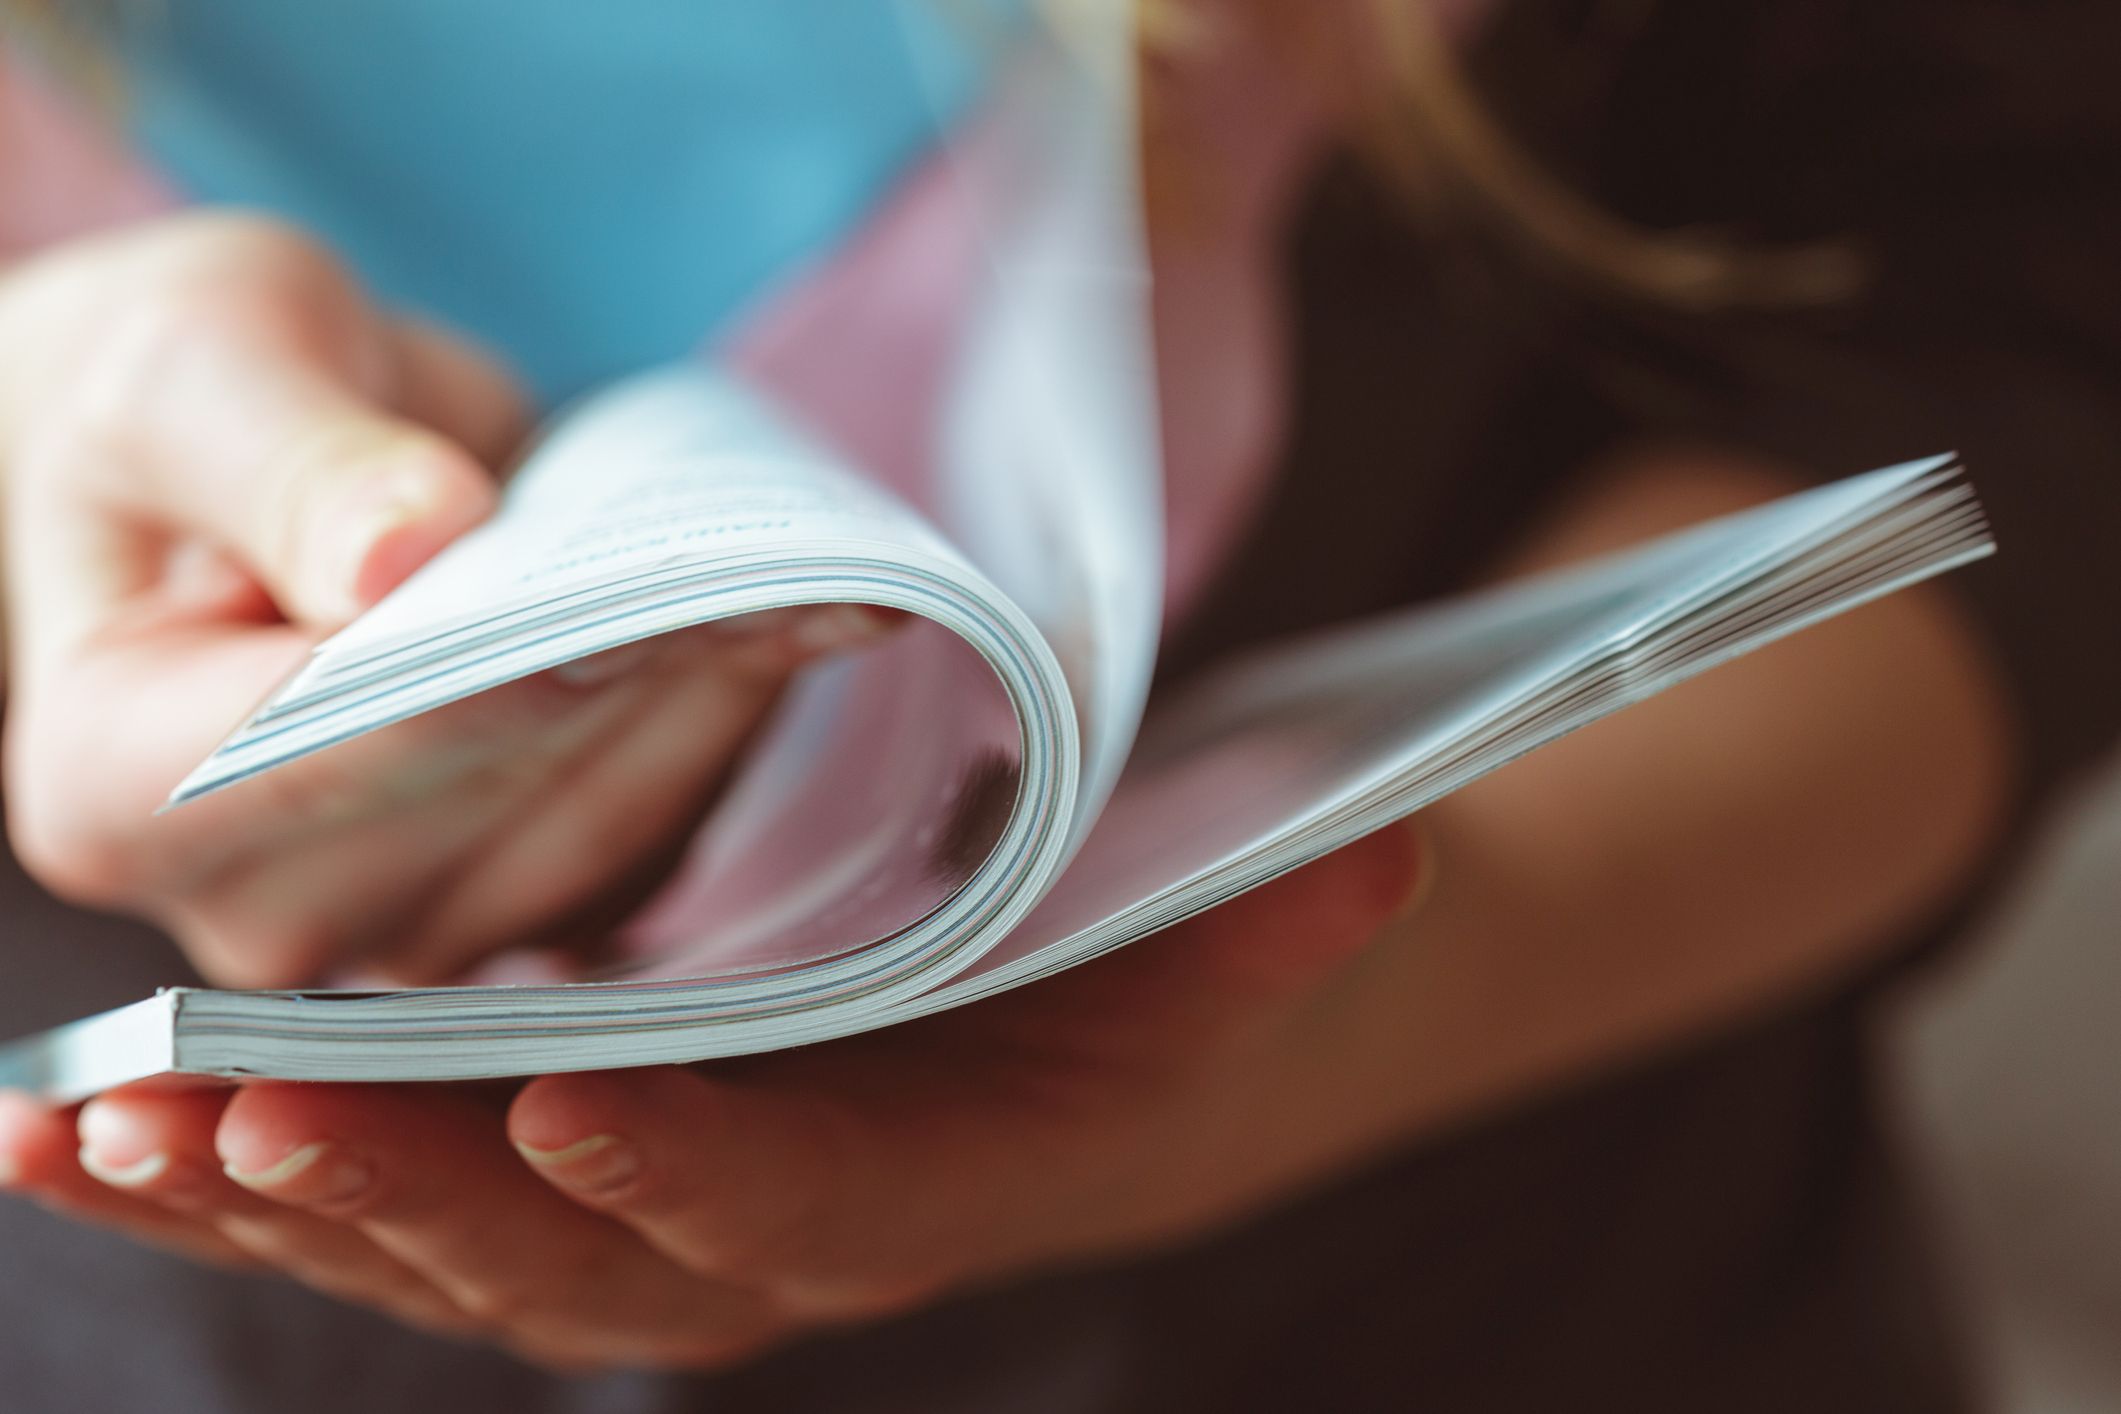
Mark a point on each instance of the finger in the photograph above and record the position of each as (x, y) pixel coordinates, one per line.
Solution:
(89, 762)
(1219, 975)
(743, 1186)
(461, 810)
(443, 382)
(540, 813)
(1173, 1006)
(157, 1145)
(89, 769)
(781, 1188)
(870, 1172)
(329, 500)
(619, 814)
(428, 1175)
(38, 1161)
(249, 409)
(416, 804)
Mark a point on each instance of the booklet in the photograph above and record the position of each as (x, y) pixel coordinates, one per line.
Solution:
(984, 799)
(992, 794)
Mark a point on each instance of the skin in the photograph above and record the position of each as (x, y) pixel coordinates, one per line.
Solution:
(1730, 847)
(217, 451)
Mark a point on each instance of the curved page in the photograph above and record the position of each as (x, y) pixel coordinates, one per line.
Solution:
(923, 794)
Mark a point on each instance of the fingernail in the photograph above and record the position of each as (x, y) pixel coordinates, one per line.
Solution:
(137, 1174)
(314, 1173)
(377, 509)
(836, 628)
(116, 1150)
(600, 668)
(599, 1164)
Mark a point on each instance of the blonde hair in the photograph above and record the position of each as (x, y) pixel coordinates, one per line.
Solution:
(65, 35)
(1445, 152)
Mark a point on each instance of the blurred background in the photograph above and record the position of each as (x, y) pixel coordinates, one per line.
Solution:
(2009, 1066)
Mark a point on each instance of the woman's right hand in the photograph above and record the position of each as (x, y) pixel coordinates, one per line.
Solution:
(215, 450)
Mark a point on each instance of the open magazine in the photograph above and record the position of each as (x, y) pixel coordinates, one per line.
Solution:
(993, 794)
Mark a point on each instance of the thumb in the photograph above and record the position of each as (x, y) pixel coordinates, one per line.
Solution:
(861, 1175)
(261, 445)
(232, 384)
(1216, 976)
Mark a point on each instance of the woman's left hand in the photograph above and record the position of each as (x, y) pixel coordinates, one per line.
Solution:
(693, 1218)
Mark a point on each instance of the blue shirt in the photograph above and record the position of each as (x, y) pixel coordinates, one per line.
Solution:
(589, 186)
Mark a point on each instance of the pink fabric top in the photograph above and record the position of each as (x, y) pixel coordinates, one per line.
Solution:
(897, 287)
(61, 175)
(1248, 134)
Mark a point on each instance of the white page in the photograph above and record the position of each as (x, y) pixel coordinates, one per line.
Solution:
(1044, 465)
(1256, 770)
(1048, 466)
(1050, 472)
(678, 498)
(1243, 765)
(667, 469)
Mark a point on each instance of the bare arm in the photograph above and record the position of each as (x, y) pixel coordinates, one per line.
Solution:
(1762, 831)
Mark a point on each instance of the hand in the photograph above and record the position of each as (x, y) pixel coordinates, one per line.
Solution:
(692, 1218)
(215, 450)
